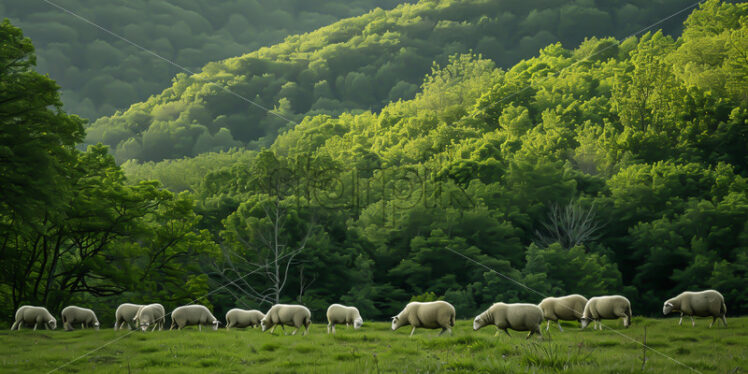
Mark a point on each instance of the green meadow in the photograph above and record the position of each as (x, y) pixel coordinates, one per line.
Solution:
(375, 348)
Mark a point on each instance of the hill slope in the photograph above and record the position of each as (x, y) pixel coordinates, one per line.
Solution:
(100, 74)
(360, 63)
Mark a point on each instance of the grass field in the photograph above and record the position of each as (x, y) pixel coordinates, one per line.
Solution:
(374, 348)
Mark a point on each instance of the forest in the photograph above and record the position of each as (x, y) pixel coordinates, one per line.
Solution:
(100, 73)
(427, 163)
(357, 64)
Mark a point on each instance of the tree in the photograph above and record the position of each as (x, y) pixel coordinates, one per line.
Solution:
(569, 226)
(36, 135)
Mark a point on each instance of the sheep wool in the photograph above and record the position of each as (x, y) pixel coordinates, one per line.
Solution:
(289, 315)
(564, 308)
(243, 318)
(72, 315)
(34, 315)
(188, 315)
(125, 314)
(709, 303)
(429, 315)
(519, 317)
(348, 315)
(606, 307)
(150, 315)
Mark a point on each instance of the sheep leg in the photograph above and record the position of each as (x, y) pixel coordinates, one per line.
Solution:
(199, 327)
(333, 329)
(559, 326)
(444, 329)
(693, 323)
(529, 334)
(19, 326)
(273, 329)
(680, 321)
(15, 326)
(83, 325)
(35, 324)
(713, 319)
(507, 332)
(412, 331)
(548, 325)
(306, 330)
(294, 331)
(724, 320)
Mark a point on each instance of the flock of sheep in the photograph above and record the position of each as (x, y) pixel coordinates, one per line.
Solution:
(429, 315)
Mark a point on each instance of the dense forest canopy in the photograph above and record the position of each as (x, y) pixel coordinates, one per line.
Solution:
(100, 73)
(360, 63)
(613, 166)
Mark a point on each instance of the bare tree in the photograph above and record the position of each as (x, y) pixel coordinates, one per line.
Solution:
(266, 254)
(570, 226)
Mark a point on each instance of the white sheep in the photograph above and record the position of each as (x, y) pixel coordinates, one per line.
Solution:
(430, 315)
(709, 303)
(348, 315)
(73, 314)
(243, 318)
(290, 315)
(564, 308)
(193, 315)
(125, 314)
(34, 315)
(606, 307)
(151, 314)
(519, 317)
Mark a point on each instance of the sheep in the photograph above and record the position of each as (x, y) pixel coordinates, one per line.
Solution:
(430, 315)
(337, 313)
(565, 308)
(290, 315)
(709, 303)
(193, 315)
(151, 314)
(243, 318)
(124, 314)
(73, 314)
(35, 315)
(519, 317)
(606, 307)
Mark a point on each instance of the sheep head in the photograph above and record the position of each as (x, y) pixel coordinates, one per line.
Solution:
(398, 322)
(585, 321)
(667, 308)
(358, 323)
(478, 323)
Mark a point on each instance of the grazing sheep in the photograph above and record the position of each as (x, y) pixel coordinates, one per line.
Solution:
(565, 308)
(290, 315)
(73, 314)
(519, 317)
(151, 314)
(606, 307)
(709, 303)
(243, 318)
(193, 315)
(124, 314)
(34, 315)
(431, 315)
(337, 313)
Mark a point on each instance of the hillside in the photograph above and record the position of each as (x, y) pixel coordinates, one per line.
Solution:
(360, 63)
(101, 74)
